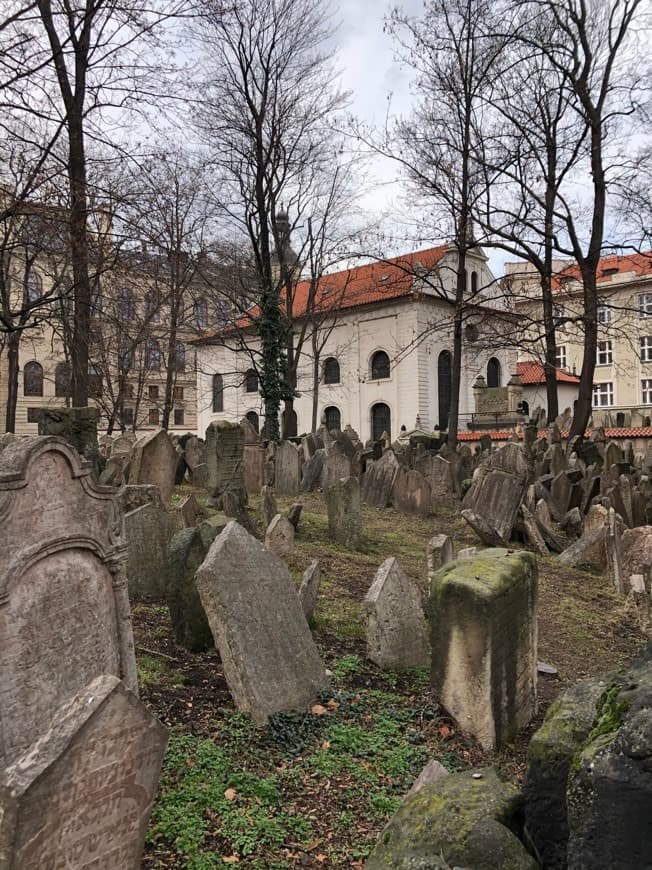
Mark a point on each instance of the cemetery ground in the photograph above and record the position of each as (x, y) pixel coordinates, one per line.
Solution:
(315, 789)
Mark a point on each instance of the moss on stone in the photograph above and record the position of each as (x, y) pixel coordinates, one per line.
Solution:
(490, 573)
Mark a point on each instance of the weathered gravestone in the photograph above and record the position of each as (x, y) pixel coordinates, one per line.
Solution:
(439, 553)
(224, 460)
(148, 530)
(186, 552)
(344, 512)
(439, 473)
(397, 637)
(154, 461)
(287, 471)
(309, 589)
(189, 513)
(269, 657)
(64, 608)
(483, 632)
(82, 795)
(78, 426)
(411, 493)
(279, 537)
(334, 467)
(268, 506)
(499, 486)
(311, 471)
(378, 480)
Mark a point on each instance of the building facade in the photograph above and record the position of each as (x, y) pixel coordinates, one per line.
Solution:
(377, 353)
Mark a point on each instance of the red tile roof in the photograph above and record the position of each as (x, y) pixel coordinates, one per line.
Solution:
(639, 264)
(379, 281)
(639, 432)
(533, 373)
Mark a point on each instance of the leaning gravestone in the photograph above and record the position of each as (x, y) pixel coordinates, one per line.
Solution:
(378, 480)
(64, 608)
(396, 627)
(279, 537)
(225, 461)
(82, 794)
(154, 461)
(309, 589)
(270, 660)
(483, 624)
(148, 530)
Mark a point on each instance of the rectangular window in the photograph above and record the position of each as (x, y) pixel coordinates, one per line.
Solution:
(603, 395)
(558, 314)
(645, 305)
(128, 416)
(152, 393)
(605, 353)
(604, 314)
(646, 391)
(153, 416)
(178, 394)
(178, 416)
(560, 359)
(646, 348)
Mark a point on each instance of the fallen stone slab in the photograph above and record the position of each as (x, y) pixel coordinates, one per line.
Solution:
(487, 533)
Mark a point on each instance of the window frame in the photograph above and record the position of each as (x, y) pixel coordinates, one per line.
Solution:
(251, 381)
(598, 393)
(645, 390)
(560, 356)
(374, 357)
(645, 349)
(330, 378)
(604, 356)
(645, 305)
(33, 369)
(152, 355)
(215, 379)
(604, 313)
(332, 408)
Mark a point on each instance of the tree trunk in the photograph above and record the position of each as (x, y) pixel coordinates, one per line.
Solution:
(315, 386)
(13, 342)
(584, 404)
(79, 260)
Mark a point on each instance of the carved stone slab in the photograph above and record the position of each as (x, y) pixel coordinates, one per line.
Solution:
(64, 610)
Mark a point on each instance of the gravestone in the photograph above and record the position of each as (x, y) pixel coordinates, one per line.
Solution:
(186, 552)
(344, 513)
(311, 471)
(309, 589)
(498, 488)
(116, 471)
(268, 506)
(64, 607)
(439, 553)
(397, 637)
(132, 497)
(378, 480)
(148, 531)
(254, 467)
(225, 460)
(269, 657)
(294, 514)
(77, 426)
(411, 493)
(234, 506)
(483, 631)
(154, 461)
(287, 471)
(195, 453)
(279, 537)
(82, 795)
(335, 466)
(189, 512)
(439, 473)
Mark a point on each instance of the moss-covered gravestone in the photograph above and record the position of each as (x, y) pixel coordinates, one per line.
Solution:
(483, 632)
(463, 820)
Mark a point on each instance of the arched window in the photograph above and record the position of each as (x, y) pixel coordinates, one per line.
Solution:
(252, 416)
(126, 310)
(381, 421)
(331, 371)
(152, 355)
(62, 380)
(152, 306)
(218, 394)
(34, 287)
(379, 366)
(332, 418)
(251, 381)
(180, 356)
(493, 372)
(33, 379)
(474, 282)
(444, 387)
(200, 313)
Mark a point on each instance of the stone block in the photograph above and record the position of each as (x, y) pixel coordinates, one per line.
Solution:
(439, 553)
(397, 637)
(483, 635)
(225, 460)
(269, 657)
(279, 537)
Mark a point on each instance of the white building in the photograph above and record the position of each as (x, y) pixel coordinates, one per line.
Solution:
(386, 331)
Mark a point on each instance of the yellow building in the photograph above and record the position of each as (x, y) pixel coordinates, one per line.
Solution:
(622, 390)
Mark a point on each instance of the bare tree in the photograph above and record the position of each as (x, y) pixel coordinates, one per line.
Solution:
(269, 102)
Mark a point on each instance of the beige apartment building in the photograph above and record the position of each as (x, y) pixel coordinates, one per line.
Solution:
(135, 302)
(622, 389)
